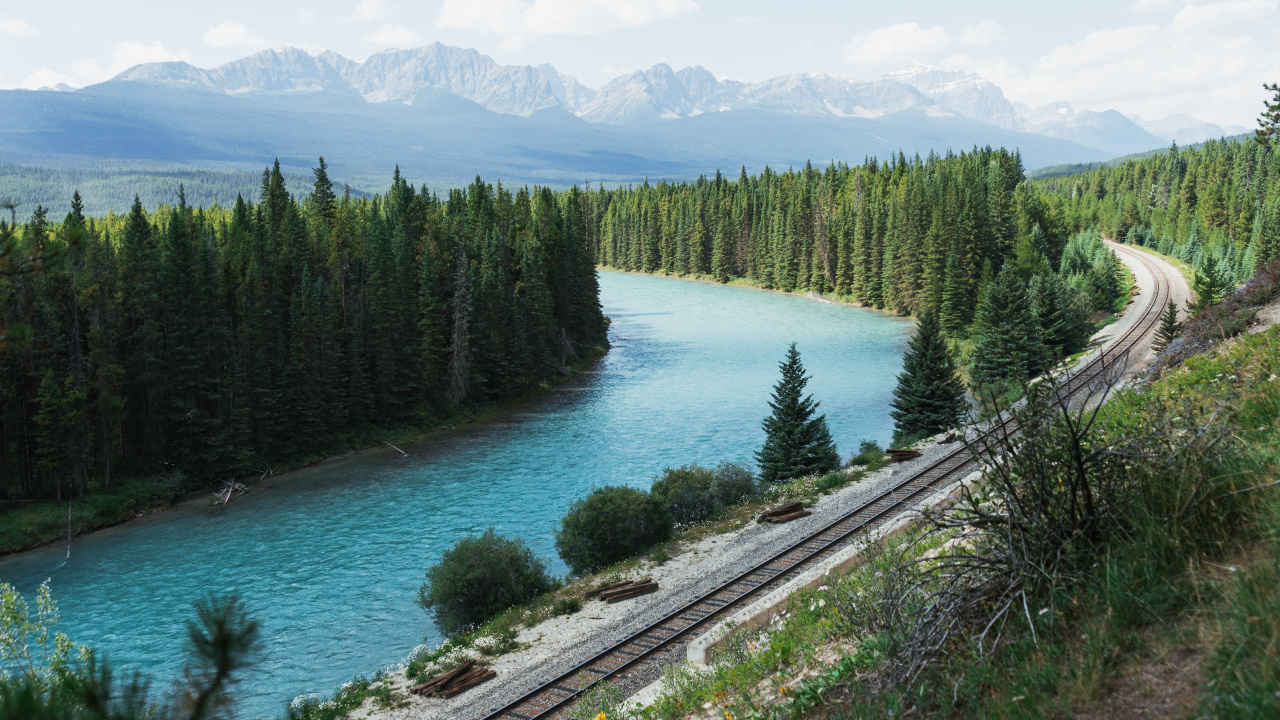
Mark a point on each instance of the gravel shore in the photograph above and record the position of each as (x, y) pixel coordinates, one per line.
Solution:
(558, 644)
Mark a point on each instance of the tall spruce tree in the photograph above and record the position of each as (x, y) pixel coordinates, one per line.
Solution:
(929, 397)
(1169, 328)
(1007, 342)
(796, 443)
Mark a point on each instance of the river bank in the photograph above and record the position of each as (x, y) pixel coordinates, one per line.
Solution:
(46, 523)
(330, 558)
(829, 298)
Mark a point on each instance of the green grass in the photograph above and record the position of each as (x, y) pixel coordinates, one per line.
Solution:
(1208, 586)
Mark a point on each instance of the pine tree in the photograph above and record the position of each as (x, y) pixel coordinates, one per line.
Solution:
(322, 196)
(1007, 344)
(929, 397)
(1169, 328)
(796, 443)
(1210, 284)
(955, 299)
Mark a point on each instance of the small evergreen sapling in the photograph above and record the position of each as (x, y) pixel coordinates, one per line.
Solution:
(796, 443)
(1210, 284)
(930, 397)
(1169, 328)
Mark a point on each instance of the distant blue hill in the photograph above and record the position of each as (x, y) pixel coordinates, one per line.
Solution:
(137, 129)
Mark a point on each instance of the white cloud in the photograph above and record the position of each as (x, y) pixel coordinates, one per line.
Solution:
(390, 35)
(44, 77)
(15, 28)
(1209, 60)
(897, 44)
(744, 19)
(1153, 6)
(307, 16)
(233, 34)
(372, 10)
(984, 33)
(519, 21)
(123, 56)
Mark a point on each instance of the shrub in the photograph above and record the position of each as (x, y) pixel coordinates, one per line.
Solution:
(832, 481)
(694, 493)
(868, 452)
(481, 576)
(611, 524)
(566, 606)
(688, 493)
(735, 483)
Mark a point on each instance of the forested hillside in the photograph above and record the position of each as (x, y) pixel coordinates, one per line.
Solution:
(890, 235)
(221, 341)
(1218, 204)
(964, 235)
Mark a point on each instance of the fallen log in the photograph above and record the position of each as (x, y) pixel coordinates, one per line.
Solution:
(787, 509)
(461, 678)
(642, 588)
(609, 588)
(779, 519)
(903, 455)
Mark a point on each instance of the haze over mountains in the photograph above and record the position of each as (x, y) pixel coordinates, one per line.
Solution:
(445, 113)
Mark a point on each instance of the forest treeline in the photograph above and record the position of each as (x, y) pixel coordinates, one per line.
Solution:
(220, 341)
(963, 235)
(1216, 204)
(886, 234)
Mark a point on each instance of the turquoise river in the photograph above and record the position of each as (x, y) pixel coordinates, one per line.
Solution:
(330, 558)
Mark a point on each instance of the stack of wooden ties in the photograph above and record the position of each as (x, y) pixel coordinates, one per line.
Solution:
(902, 455)
(625, 590)
(455, 681)
(785, 513)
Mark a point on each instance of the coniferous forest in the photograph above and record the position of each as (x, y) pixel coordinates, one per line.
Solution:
(903, 235)
(222, 341)
(1215, 207)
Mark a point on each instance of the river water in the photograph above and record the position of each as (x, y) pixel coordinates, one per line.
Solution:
(330, 558)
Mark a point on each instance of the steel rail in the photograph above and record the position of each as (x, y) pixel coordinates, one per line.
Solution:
(545, 700)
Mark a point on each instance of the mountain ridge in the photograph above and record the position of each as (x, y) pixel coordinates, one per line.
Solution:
(664, 93)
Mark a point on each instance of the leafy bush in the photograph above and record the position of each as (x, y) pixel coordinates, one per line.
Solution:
(611, 524)
(688, 493)
(566, 606)
(481, 576)
(832, 481)
(735, 483)
(694, 493)
(868, 452)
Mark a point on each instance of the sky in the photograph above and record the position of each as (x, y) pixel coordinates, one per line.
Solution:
(1151, 57)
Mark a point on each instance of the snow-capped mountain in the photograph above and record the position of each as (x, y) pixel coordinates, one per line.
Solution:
(1107, 130)
(663, 93)
(657, 93)
(1184, 129)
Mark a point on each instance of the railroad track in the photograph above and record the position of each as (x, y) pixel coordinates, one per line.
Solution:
(644, 646)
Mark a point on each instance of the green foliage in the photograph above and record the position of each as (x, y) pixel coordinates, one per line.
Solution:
(929, 397)
(908, 235)
(611, 524)
(225, 340)
(1210, 285)
(50, 678)
(693, 493)
(1269, 120)
(479, 577)
(1169, 328)
(796, 443)
(1007, 340)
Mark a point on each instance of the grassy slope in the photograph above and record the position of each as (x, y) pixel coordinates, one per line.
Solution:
(1214, 616)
